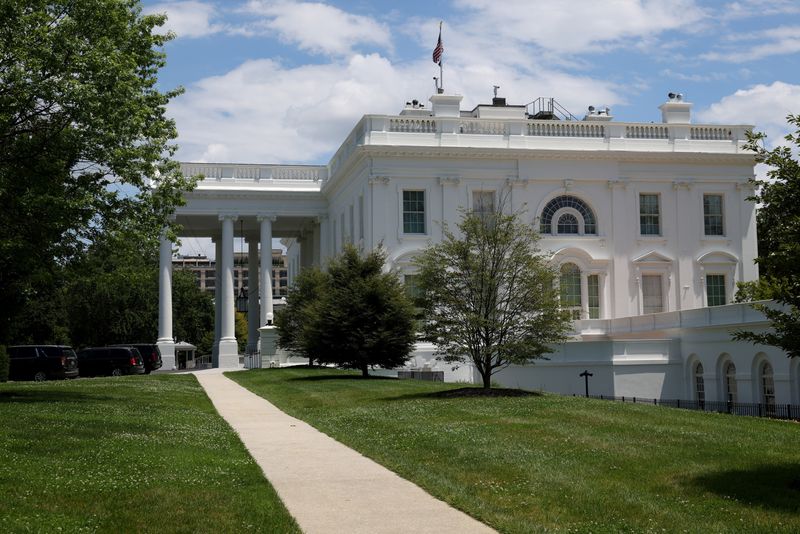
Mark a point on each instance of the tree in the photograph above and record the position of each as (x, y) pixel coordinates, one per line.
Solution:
(85, 144)
(355, 316)
(779, 243)
(490, 296)
(295, 321)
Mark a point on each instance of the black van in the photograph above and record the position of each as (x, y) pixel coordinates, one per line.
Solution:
(113, 361)
(42, 362)
(151, 355)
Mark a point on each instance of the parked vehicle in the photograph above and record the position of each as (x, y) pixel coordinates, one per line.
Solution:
(151, 355)
(42, 362)
(113, 361)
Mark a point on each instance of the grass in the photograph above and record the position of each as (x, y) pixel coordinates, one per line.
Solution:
(558, 464)
(130, 454)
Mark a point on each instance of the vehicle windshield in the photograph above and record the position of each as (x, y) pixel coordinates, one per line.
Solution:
(69, 353)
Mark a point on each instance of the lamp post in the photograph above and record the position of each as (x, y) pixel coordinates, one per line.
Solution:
(586, 374)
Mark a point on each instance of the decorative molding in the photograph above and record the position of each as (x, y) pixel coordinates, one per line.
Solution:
(748, 185)
(449, 180)
(514, 180)
(568, 184)
(622, 183)
(378, 180)
(682, 184)
(231, 216)
(266, 217)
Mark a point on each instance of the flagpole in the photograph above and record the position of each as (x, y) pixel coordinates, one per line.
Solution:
(441, 60)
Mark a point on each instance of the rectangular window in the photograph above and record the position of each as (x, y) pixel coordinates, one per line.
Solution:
(483, 202)
(712, 215)
(361, 217)
(715, 289)
(652, 296)
(649, 214)
(413, 291)
(413, 212)
(594, 296)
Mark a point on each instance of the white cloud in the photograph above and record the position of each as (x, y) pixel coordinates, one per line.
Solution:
(580, 26)
(188, 18)
(262, 111)
(745, 9)
(765, 106)
(317, 27)
(775, 41)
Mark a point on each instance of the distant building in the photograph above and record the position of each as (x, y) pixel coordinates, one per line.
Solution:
(204, 270)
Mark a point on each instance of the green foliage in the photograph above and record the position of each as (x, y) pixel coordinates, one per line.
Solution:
(85, 144)
(294, 321)
(3, 364)
(192, 309)
(355, 315)
(779, 243)
(490, 295)
(240, 331)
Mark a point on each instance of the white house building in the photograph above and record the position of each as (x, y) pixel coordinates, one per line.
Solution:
(648, 223)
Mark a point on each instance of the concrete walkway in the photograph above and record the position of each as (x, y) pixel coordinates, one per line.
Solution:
(327, 487)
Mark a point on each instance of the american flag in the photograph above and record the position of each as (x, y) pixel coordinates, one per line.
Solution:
(439, 50)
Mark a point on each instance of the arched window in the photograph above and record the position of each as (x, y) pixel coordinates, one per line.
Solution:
(580, 211)
(767, 379)
(729, 372)
(570, 286)
(699, 384)
(568, 224)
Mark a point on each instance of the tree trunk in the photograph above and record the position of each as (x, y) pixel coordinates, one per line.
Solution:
(365, 371)
(487, 379)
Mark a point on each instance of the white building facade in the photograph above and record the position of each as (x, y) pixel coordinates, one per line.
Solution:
(649, 225)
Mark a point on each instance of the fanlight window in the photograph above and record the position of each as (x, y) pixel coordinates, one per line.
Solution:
(568, 224)
(568, 201)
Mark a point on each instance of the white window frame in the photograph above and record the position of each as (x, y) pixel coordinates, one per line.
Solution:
(724, 233)
(639, 214)
(427, 206)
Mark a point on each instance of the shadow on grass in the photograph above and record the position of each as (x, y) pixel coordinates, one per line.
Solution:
(468, 393)
(769, 486)
(47, 395)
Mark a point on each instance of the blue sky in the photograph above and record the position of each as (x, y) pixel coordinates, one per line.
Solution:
(284, 82)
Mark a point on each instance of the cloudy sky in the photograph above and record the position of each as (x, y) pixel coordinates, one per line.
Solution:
(285, 82)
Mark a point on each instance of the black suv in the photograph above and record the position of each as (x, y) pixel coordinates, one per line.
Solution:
(114, 361)
(151, 355)
(42, 362)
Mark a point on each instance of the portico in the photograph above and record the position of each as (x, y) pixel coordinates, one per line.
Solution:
(252, 202)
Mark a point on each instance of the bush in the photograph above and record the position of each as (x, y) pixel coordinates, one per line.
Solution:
(3, 364)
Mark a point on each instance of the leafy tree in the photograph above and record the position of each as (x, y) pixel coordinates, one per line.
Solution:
(490, 295)
(294, 321)
(355, 316)
(240, 331)
(192, 309)
(779, 243)
(85, 143)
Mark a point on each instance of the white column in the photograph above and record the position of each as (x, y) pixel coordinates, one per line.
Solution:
(316, 256)
(166, 343)
(584, 295)
(253, 313)
(217, 299)
(265, 271)
(228, 349)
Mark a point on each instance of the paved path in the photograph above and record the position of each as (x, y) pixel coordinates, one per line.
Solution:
(327, 487)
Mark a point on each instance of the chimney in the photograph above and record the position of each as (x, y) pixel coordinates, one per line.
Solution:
(675, 110)
(446, 105)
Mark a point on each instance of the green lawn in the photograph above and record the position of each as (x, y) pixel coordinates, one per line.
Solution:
(551, 463)
(129, 454)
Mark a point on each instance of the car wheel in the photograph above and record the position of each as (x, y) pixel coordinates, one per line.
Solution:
(116, 372)
(40, 376)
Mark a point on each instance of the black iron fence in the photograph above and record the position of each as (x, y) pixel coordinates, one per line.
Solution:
(773, 411)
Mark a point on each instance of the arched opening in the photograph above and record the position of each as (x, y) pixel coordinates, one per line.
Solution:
(568, 224)
(699, 384)
(766, 380)
(729, 376)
